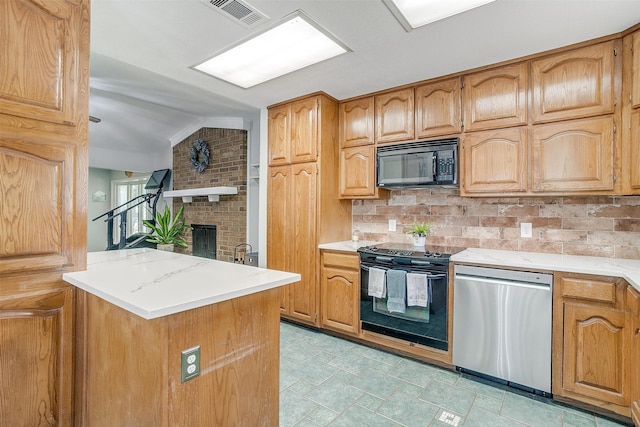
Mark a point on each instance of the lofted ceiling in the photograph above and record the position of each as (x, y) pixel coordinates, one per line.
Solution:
(146, 95)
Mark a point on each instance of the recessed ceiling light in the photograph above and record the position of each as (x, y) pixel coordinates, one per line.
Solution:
(416, 13)
(293, 43)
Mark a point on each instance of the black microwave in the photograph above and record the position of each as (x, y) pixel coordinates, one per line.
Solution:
(417, 164)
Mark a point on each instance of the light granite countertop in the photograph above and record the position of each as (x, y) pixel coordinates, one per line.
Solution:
(152, 283)
(628, 269)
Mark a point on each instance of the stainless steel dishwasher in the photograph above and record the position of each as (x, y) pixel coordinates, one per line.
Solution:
(502, 325)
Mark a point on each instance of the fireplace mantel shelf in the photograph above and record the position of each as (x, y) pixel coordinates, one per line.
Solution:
(213, 193)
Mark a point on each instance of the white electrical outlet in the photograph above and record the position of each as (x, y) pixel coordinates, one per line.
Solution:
(392, 225)
(526, 230)
(190, 366)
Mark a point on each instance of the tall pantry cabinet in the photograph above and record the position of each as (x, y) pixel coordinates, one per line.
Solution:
(44, 118)
(303, 208)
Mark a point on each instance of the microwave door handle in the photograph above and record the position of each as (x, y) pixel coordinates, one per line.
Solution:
(434, 166)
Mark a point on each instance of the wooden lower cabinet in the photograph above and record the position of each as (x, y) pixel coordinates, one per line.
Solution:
(340, 291)
(592, 345)
(36, 351)
(633, 304)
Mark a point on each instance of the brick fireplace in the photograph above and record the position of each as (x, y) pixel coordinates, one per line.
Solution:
(227, 167)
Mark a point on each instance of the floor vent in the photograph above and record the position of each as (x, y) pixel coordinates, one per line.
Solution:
(239, 11)
(449, 418)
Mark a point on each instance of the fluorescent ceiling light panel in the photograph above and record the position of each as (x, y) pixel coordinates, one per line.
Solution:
(292, 44)
(416, 13)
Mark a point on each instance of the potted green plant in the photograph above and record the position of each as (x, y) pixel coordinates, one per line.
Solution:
(420, 231)
(166, 230)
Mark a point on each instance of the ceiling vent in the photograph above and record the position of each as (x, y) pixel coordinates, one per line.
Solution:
(239, 11)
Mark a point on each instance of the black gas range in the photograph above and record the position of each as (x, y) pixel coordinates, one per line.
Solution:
(424, 324)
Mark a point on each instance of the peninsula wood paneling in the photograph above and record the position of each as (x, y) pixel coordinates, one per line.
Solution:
(44, 104)
(132, 369)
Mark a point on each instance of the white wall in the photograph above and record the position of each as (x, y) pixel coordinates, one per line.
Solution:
(99, 181)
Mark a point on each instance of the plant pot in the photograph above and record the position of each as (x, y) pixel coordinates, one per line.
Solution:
(419, 240)
(166, 247)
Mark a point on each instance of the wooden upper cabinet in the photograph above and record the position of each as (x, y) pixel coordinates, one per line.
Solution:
(279, 135)
(635, 70)
(293, 132)
(41, 76)
(573, 156)
(496, 98)
(356, 122)
(395, 116)
(632, 161)
(438, 108)
(304, 130)
(494, 161)
(358, 172)
(572, 84)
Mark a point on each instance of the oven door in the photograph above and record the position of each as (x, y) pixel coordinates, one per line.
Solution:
(422, 325)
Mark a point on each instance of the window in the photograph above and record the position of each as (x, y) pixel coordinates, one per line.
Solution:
(122, 192)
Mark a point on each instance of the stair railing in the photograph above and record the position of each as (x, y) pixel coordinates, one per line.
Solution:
(112, 214)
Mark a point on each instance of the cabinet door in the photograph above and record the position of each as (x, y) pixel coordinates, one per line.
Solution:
(304, 130)
(635, 70)
(279, 237)
(303, 297)
(438, 108)
(279, 135)
(573, 156)
(494, 161)
(358, 172)
(37, 354)
(44, 90)
(573, 84)
(356, 122)
(496, 98)
(340, 292)
(595, 350)
(633, 303)
(632, 161)
(395, 116)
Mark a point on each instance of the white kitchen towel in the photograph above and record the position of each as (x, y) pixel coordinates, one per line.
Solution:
(417, 292)
(397, 291)
(377, 282)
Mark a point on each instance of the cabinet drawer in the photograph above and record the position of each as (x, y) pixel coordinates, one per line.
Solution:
(594, 290)
(341, 259)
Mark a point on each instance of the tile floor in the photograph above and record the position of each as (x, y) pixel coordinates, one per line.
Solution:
(327, 381)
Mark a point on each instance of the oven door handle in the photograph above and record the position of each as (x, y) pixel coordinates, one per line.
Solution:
(367, 267)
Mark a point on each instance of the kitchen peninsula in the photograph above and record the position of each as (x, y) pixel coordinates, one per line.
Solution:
(139, 309)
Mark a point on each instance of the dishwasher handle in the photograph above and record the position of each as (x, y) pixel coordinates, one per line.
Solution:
(503, 282)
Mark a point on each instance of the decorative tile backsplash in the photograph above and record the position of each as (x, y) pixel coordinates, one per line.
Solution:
(589, 225)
